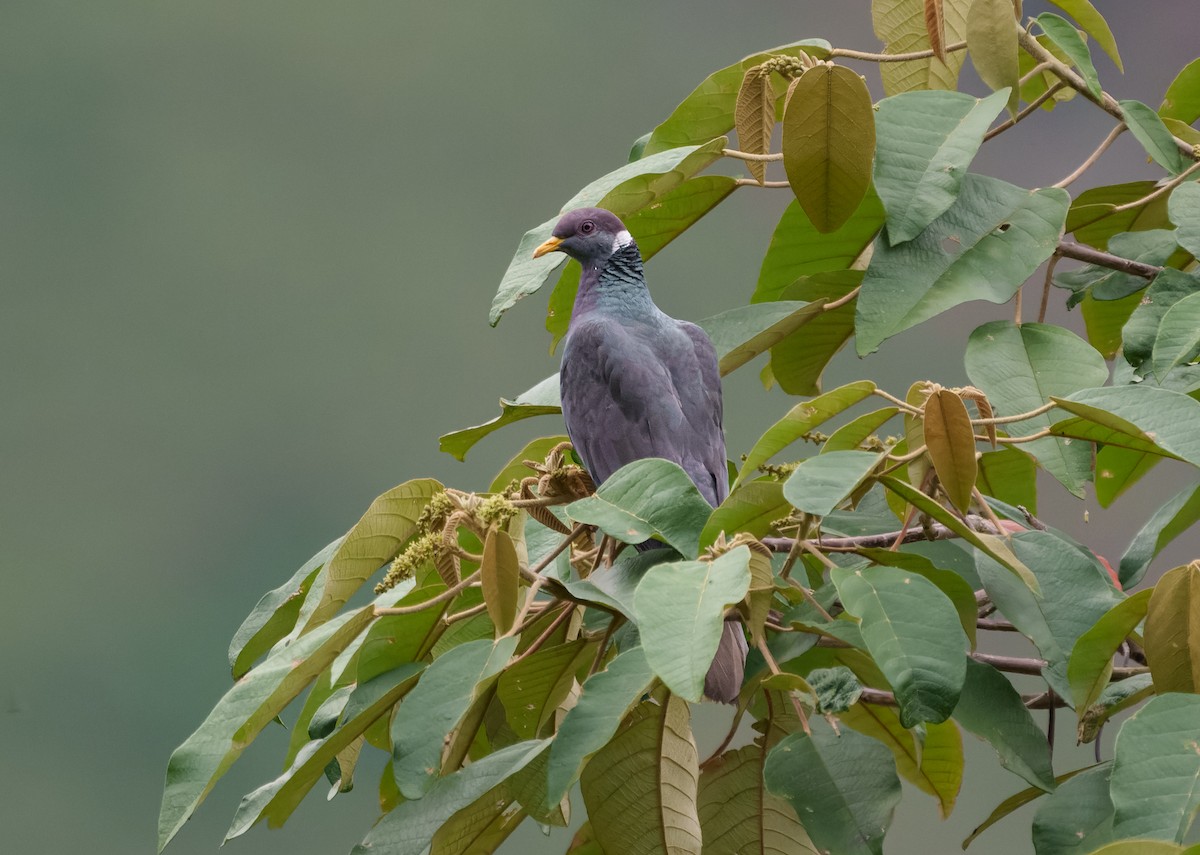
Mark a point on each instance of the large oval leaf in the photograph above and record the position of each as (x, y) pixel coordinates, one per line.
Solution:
(1140, 417)
(1090, 664)
(992, 43)
(901, 26)
(912, 631)
(1020, 368)
(680, 610)
(1077, 816)
(1178, 338)
(1184, 209)
(1173, 631)
(821, 483)
(751, 507)
(1070, 42)
(1093, 23)
(1182, 100)
(737, 814)
(951, 443)
(1148, 129)
(983, 247)
(829, 143)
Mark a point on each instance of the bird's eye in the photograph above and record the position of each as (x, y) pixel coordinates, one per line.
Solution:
(587, 227)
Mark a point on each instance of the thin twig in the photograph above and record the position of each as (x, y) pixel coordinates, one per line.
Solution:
(883, 539)
(1079, 252)
(533, 572)
(466, 613)
(846, 53)
(518, 624)
(1160, 190)
(1019, 417)
(615, 622)
(448, 594)
(1015, 440)
(752, 182)
(1026, 111)
(996, 625)
(841, 301)
(904, 405)
(1050, 265)
(774, 666)
(1017, 306)
(749, 157)
(549, 631)
(807, 594)
(1093, 157)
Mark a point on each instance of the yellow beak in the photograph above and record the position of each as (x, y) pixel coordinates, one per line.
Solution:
(549, 246)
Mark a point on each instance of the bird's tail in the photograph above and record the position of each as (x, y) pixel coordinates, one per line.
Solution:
(723, 682)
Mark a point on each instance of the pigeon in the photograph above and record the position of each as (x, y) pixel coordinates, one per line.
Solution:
(637, 383)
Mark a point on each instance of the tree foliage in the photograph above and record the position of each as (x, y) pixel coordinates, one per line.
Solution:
(514, 649)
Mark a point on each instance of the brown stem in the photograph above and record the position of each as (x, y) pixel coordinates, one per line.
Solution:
(1106, 259)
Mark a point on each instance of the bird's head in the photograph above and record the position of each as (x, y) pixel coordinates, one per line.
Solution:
(588, 235)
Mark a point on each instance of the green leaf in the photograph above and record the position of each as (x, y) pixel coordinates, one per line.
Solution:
(851, 436)
(948, 582)
(626, 189)
(1134, 416)
(411, 826)
(993, 710)
(394, 640)
(653, 227)
(1143, 847)
(1156, 770)
(1019, 368)
(926, 143)
(1178, 337)
(992, 43)
(1077, 816)
(482, 826)
(275, 614)
(990, 545)
(1148, 129)
(1183, 206)
(532, 689)
(798, 249)
(541, 400)
(708, 110)
(829, 143)
(1182, 100)
(799, 420)
(743, 333)
(1009, 475)
(845, 787)
(1167, 523)
(1118, 469)
(1116, 698)
(950, 439)
(644, 498)
(1072, 44)
(373, 541)
(276, 800)
(591, 723)
(900, 25)
(640, 789)
(1172, 633)
(1015, 801)
(249, 706)
(1153, 246)
(912, 631)
(680, 609)
(1090, 665)
(751, 507)
(821, 483)
(798, 361)
(515, 469)
(737, 814)
(1093, 221)
(499, 575)
(999, 234)
(1093, 23)
(435, 707)
(1141, 330)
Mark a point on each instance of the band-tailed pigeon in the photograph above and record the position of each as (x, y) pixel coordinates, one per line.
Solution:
(638, 383)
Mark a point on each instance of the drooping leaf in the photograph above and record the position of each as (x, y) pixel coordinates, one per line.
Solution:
(1020, 368)
(900, 25)
(1164, 525)
(912, 631)
(1090, 665)
(743, 333)
(997, 233)
(1141, 330)
(754, 118)
(1183, 206)
(1178, 339)
(926, 143)
(708, 111)
(410, 827)
(950, 439)
(373, 541)
(434, 708)
(801, 419)
(798, 249)
(276, 800)
(680, 610)
(481, 826)
(590, 724)
(653, 227)
(533, 688)
(275, 614)
(751, 507)
(948, 582)
(541, 400)
(1173, 631)
(640, 789)
(1182, 100)
(798, 361)
(737, 814)
(821, 483)
(1093, 23)
(829, 143)
(394, 640)
(644, 498)
(992, 709)
(1009, 475)
(1135, 416)
(1148, 129)
(500, 574)
(1076, 817)
(992, 43)
(651, 177)
(1072, 44)
(1116, 698)
(844, 788)
(1156, 770)
(1015, 801)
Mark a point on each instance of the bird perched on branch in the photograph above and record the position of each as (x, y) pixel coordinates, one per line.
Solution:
(638, 383)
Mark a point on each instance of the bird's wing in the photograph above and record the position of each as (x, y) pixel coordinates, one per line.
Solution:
(700, 394)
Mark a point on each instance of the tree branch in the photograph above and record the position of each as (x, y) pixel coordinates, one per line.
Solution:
(1079, 252)
(846, 53)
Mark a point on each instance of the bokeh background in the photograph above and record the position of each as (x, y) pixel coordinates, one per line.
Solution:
(248, 251)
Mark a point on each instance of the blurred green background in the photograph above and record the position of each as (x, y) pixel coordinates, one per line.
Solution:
(248, 252)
